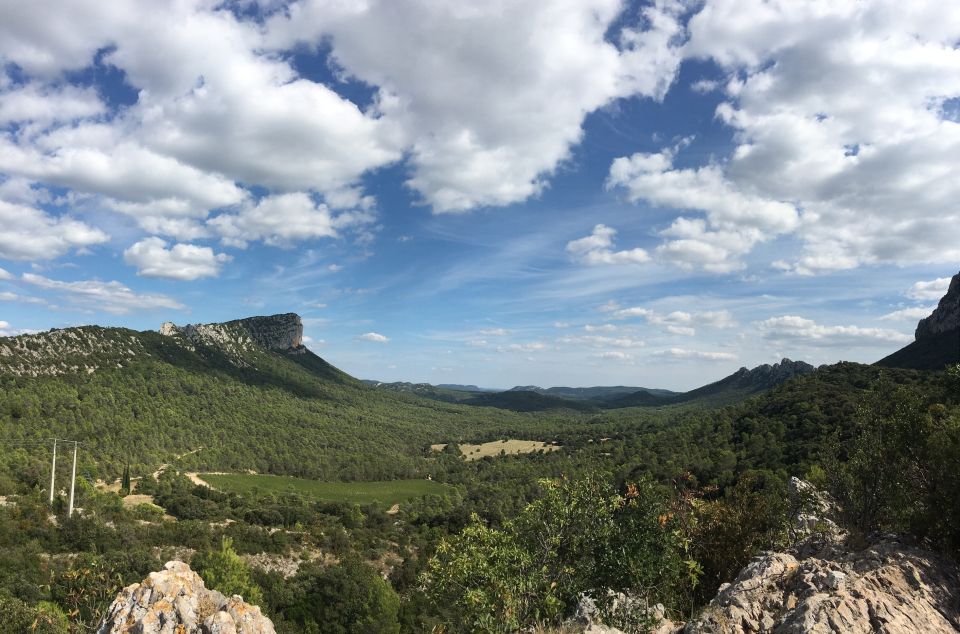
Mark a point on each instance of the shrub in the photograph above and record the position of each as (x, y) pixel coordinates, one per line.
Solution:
(225, 571)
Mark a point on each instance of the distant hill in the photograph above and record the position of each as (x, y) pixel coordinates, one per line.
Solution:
(599, 393)
(533, 398)
(515, 400)
(739, 385)
(937, 338)
(426, 390)
(466, 388)
(524, 401)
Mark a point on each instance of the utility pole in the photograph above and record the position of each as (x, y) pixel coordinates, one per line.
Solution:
(73, 478)
(53, 469)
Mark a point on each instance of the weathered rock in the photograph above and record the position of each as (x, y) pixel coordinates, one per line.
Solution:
(175, 601)
(823, 587)
(946, 316)
(815, 511)
(276, 332)
(619, 607)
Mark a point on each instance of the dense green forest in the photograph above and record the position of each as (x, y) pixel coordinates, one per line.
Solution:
(665, 502)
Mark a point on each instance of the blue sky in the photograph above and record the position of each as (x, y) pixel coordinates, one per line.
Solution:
(562, 192)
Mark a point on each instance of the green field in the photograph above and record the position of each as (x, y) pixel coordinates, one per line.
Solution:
(388, 492)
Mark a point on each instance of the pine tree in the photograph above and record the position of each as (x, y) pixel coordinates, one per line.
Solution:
(125, 481)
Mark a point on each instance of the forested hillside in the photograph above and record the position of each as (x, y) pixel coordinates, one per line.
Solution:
(287, 414)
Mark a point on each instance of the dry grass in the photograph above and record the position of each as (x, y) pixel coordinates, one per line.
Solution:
(509, 447)
(131, 501)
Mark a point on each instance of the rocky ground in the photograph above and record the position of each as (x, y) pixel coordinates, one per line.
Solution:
(823, 585)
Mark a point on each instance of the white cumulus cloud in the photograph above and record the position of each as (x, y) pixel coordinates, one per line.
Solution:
(932, 289)
(179, 262)
(374, 337)
(597, 248)
(489, 96)
(28, 233)
(793, 328)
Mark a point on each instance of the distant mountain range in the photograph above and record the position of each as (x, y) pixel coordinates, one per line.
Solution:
(528, 398)
(739, 385)
(590, 393)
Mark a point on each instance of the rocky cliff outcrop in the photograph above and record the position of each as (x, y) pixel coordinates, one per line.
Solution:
(175, 601)
(946, 316)
(276, 332)
(824, 586)
(766, 376)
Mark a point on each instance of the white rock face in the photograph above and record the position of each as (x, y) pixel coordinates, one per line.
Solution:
(175, 601)
(824, 587)
(277, 332)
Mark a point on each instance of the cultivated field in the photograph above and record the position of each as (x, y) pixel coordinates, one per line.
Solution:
(387, 493)
(509, 447)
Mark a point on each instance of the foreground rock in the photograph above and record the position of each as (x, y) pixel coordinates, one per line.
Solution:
(175, 601)
(821, 586)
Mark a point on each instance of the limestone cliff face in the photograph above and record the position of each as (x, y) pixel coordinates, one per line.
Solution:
(946, 317)
(175, 600)
(276, 332)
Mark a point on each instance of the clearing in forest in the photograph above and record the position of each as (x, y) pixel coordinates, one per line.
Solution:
(388, 492)
(509, 447)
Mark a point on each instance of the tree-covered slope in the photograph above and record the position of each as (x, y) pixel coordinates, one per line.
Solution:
(145, 398)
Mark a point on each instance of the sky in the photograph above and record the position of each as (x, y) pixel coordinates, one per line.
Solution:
(549, 192)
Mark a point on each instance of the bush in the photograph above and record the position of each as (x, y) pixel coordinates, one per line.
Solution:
(349, 598)
(44, 618)
(225, 571)
(903, 471)
(578, 537)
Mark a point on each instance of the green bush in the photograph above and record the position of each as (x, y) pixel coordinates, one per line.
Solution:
(903, 468)
(44, 618)
(225, 571)
(349, 598)
(579, 536)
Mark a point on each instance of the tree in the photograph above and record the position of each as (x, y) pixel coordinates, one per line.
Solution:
(350, 598)
(125, 481)
(225, 571)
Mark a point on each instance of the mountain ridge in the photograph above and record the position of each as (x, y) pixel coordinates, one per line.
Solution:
(737, 386)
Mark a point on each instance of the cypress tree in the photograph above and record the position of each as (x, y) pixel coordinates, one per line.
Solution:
(125, 482)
